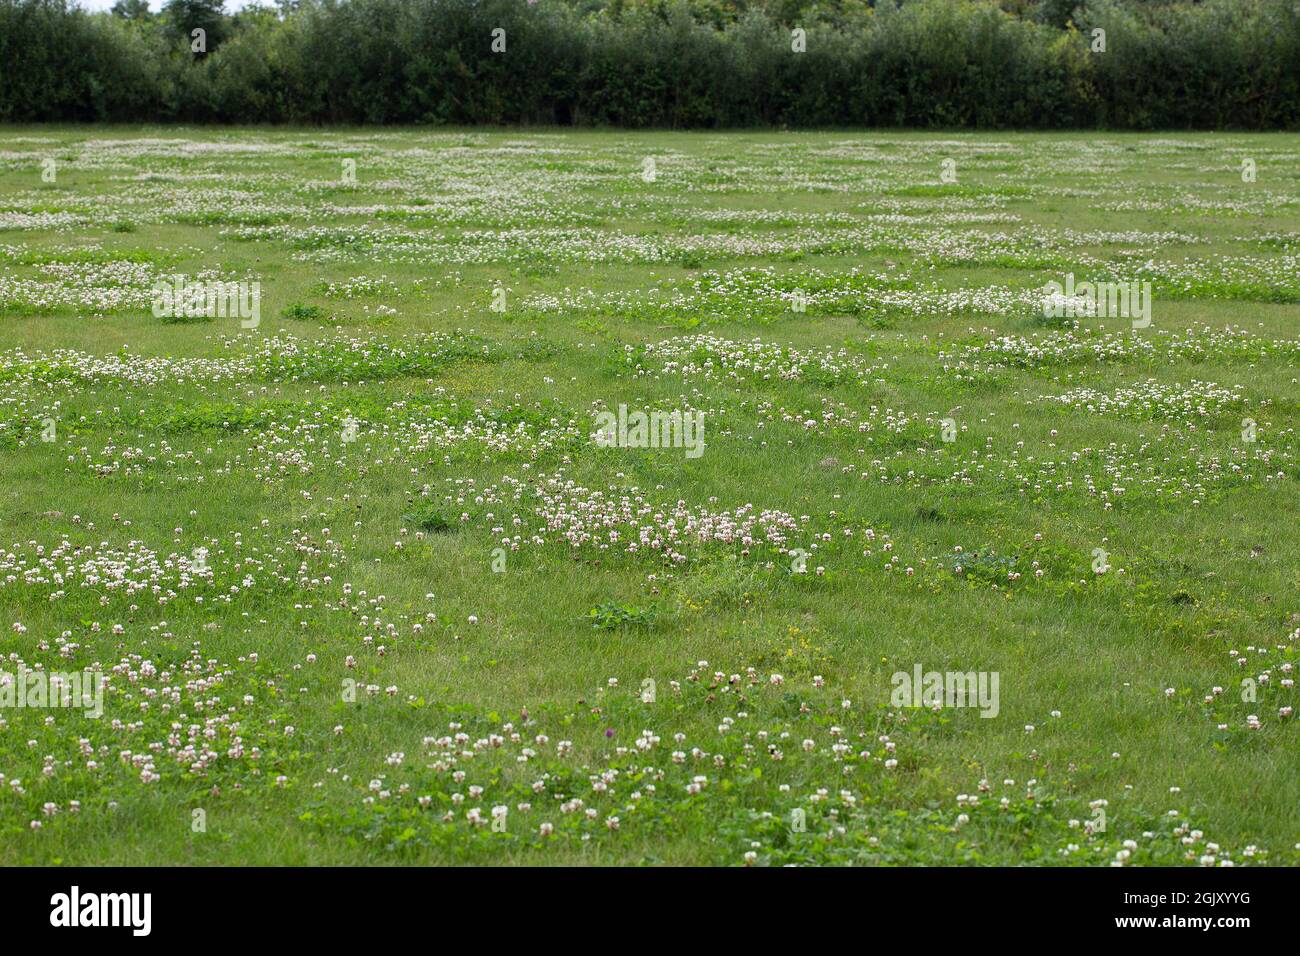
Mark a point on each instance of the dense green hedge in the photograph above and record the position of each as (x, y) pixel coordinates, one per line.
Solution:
(921, 63)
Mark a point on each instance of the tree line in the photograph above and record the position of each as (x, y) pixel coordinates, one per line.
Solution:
(1119, 64)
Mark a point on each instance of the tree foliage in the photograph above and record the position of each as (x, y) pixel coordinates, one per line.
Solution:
(662, 63)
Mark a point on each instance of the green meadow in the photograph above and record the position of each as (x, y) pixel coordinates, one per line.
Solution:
(357, 577)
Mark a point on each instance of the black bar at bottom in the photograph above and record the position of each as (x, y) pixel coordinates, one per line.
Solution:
(342, 906)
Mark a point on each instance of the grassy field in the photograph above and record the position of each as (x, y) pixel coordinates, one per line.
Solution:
(366, 583)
